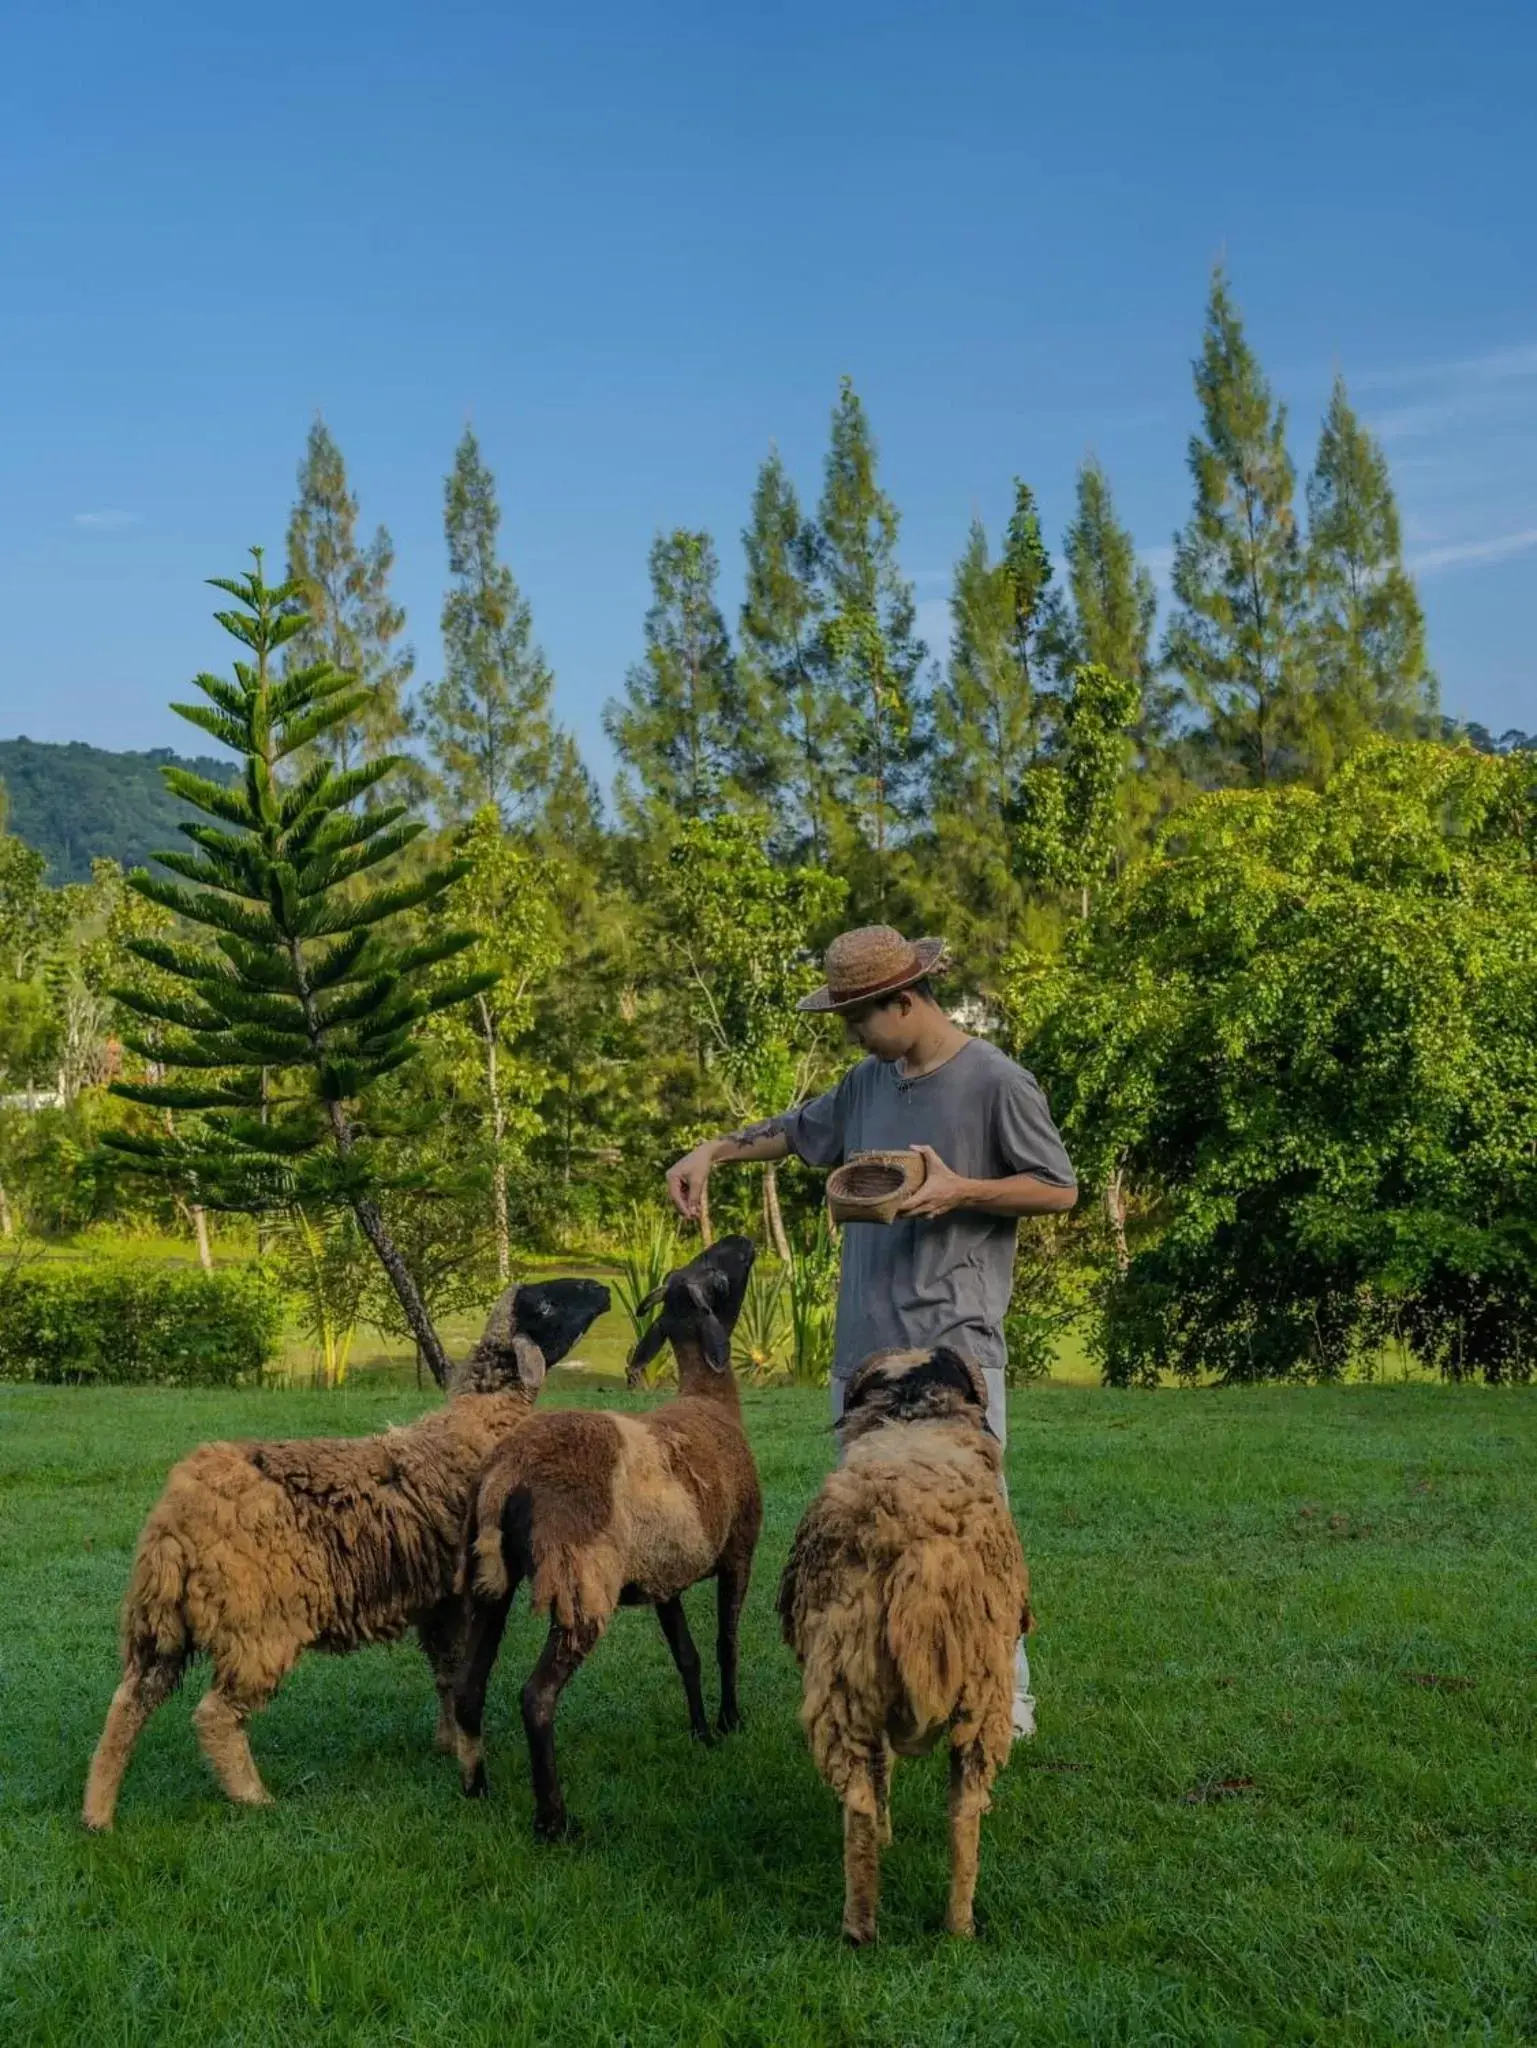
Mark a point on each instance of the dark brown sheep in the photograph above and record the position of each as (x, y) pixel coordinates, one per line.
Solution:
(903, 1598)
(257, 1552)
(600, 1511)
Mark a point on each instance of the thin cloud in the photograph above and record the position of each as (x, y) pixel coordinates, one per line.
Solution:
(109, 521)
(1158, 562)
(1470, 554)
(1495, 366)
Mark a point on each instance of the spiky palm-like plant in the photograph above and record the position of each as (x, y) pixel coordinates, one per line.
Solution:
(277, 1031)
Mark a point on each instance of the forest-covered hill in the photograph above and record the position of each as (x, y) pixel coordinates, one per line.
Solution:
(75, 802)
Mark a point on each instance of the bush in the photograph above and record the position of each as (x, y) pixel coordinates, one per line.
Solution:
(136, 1323)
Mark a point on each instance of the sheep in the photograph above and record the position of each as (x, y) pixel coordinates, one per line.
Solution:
(256, 1552)
(903, 1598)
(603, 1510)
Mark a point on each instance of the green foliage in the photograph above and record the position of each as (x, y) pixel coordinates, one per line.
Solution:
(741, 929)
(761, 1343)
(304, 1002)
(77, 803)
(1066, 813)
(340, 593)
(488, 719)
(136, 1323)
(1367, 629)
(1308, 1030)
(651, 1249)
(1236, 637)
(678, 728)
(811, 1287)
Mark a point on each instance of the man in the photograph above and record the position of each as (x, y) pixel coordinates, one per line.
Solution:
(943, 1272)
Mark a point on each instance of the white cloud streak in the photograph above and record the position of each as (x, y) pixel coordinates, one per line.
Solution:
(109, 521)
(1473, 554)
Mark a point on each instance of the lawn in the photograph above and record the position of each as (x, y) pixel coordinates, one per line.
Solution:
(1324, 1598)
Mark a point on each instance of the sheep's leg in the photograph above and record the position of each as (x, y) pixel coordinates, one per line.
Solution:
(882, 1763)
(144, 1688)
(675, 1627)
(219, 1718)
(467, 1710)
(559, 1661)
(861, 1862)
(441, 1630)
(730, 1592)
(968, 1803)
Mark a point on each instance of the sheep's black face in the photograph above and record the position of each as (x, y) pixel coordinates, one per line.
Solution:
(914, 1386)
(555, 1313)
(701, 1303)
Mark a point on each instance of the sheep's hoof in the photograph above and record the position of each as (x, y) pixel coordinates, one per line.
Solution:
(703, 1733)
(477, 1785)
(556, 1827)
(95, 1827)
(858, 1937)
(730, 1720)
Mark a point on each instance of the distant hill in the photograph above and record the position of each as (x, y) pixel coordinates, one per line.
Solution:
(76, 802)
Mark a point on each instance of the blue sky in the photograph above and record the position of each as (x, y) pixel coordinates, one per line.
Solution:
(635, 244)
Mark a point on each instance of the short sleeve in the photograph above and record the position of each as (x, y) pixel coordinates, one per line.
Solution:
(814, 1132)
(1027, 1138)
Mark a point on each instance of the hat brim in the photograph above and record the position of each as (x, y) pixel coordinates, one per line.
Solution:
(929, 954)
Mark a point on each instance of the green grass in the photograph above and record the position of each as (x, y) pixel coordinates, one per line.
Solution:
(1231, 1585)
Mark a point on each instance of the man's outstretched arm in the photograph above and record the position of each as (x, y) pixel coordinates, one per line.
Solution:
(686, 1180)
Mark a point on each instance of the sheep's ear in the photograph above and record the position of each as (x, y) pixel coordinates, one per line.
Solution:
(953, 1370)
(649, 1345)
(530, 1361)
(714, 1343)
(653, 1299)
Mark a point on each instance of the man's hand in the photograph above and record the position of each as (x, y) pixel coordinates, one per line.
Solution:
(941, 1191)
(686, 1181)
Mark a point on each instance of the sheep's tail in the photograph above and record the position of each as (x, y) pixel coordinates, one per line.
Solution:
(156, 1628)
(483, 1562)
(931, 1627)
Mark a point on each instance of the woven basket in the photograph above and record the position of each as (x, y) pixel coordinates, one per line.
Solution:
(872, 1186)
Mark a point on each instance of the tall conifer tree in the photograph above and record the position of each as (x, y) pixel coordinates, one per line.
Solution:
(343, 592)
(780, 617)
(678, 729)
(1236, 637)
(488, 719)
(1368, 632)
(868, 648)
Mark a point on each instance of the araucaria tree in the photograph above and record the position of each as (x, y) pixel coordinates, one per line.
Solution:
(488, 719)
(1367, 629)
(1236, 635)
(341, 592)
(304, 1001)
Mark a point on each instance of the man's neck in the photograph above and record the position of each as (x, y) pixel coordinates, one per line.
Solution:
(937, 1042)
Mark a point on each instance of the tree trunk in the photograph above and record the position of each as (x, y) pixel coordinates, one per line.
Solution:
(199, 1217)
(773, 1218)
(1115, 1214)
(407, 1293)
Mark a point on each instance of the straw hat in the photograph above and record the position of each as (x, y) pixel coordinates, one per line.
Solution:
(870, 1187)
(874, 961)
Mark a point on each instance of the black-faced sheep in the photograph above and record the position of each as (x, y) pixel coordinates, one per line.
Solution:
(601, 1511)
(256, 1552)
(903, 1598)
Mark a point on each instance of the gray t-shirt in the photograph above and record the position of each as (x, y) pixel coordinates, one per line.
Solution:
(934, 1279)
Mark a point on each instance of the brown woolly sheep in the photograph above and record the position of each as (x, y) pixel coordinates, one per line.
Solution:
(903, 1598)
(256, 1552)
(601, 1511)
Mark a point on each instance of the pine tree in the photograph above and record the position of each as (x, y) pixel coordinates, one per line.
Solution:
(304, 1001)
(867, 647)
(1367, 629)
(985, 733)
(677, 730)
(778, 638)
(1113, 599)
(342, 592)
(1236, 637)
(1027, 566)
(488, 720)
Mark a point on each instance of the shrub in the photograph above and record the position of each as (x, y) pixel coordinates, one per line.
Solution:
(136, 1323)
